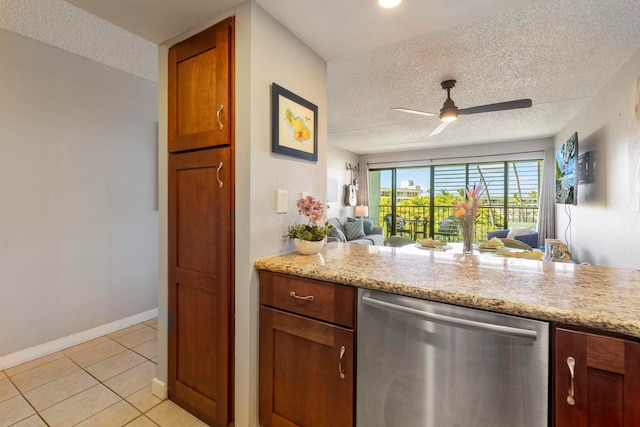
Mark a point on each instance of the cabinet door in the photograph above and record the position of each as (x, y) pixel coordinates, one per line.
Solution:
(606, 381)
(302, 365)
(200, 291)
(200, 73)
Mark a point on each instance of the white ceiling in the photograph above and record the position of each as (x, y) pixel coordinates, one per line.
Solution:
(559, 53)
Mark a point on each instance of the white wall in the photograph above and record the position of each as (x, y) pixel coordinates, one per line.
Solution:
(276, 56)
(78, 219)
(337, 160)
(266, 52)
(603, 230)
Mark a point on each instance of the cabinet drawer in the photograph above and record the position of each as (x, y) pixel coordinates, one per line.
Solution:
(319, 300)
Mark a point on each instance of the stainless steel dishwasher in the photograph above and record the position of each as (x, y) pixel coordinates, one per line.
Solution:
(427, 364)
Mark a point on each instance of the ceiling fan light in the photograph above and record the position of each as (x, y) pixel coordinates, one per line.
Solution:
(388, 4)
(449, 111)
(448, 114)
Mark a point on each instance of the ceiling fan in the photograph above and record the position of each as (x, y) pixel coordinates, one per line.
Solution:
(450, 112)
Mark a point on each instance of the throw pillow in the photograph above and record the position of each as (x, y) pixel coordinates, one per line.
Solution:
(516, 231)
(354, 230)
(367, 224)
(338, 234)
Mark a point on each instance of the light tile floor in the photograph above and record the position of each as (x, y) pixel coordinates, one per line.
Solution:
(103, 382)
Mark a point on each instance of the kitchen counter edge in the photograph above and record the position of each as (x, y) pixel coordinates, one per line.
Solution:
(603, 298)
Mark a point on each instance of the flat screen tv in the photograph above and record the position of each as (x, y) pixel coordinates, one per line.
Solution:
(566, 162)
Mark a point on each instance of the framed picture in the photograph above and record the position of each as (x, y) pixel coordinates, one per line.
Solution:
(553, 251)
(294, 125)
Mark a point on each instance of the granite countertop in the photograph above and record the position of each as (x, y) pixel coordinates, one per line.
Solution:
(599, 297)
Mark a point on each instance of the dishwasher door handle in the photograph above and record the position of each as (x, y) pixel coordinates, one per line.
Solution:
(452, 321)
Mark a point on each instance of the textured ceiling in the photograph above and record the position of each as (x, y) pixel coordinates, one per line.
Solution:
(559, 53)
(338, 28)
(59, 24)
(156, 20)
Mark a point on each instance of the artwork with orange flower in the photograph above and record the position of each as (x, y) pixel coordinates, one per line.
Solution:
(294, 125)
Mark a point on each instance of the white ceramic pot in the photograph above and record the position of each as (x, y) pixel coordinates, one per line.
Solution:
(306, 247)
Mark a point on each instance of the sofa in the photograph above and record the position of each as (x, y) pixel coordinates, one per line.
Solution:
(360, 231)
(530, 237)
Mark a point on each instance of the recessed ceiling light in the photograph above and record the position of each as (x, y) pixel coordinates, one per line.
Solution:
(388, 4)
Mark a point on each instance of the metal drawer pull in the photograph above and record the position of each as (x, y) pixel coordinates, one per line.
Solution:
(571, 362)
(220, 125)
(218, 174)
(307, 298)
(342, 350)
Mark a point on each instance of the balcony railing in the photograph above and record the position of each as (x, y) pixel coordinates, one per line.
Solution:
(419, 224)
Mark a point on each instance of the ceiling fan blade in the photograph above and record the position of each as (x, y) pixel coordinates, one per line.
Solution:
(422, 113)
(509, 105)
(439, 129)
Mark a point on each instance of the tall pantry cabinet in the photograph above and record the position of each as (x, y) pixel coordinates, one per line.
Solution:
(201, 223)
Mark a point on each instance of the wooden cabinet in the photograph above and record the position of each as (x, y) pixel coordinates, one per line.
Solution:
(201, 238)
(200, 285)
(307, 356)
(606, 380)
(200, 94)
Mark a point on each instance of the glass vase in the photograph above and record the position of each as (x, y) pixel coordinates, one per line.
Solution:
(468, 231)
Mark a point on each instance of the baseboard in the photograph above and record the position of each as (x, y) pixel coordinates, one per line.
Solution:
(40, 350)
(159, 389)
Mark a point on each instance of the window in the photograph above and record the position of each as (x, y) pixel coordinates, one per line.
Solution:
(415, 201)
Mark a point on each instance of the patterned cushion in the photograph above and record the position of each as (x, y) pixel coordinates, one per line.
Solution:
(367, 224)
(354, 230)
(338, 234)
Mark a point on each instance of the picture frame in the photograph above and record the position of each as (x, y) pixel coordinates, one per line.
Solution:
(294, 125)
(552, 250)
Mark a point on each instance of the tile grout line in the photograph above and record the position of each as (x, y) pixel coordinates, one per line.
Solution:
(120, 398)
(26, 400)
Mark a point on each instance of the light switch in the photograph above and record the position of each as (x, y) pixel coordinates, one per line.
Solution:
(281, 201)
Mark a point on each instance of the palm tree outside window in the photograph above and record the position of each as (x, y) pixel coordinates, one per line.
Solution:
(423, 196)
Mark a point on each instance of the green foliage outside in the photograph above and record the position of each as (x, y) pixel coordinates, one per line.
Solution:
(489, 217)
(493, 214)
